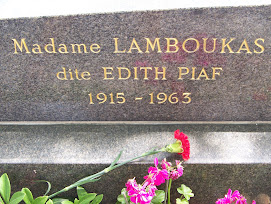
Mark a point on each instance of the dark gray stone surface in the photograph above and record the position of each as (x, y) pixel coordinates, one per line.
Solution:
(30, 90)
(208, 181)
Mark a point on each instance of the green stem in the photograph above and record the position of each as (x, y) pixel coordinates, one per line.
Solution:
(165, 201)
(168, 194)
(125, 197)
(138, 157)
(94, 177)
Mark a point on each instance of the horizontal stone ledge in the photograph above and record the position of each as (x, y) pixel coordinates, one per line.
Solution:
(230, 126)
(134, 122)
(99, 144)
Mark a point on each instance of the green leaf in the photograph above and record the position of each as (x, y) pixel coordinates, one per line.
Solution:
(59, 200)
(121, 197)
(28, 198)
(81, 192)
(66, 202)
(40, 200)
(116, 160)
(5, 187)
(76, 201)
(87, 198)
(49, 202)
(17, 197)
(183, 201)
(186, 191)
(1, 201)
(97, 199)
(159, 198)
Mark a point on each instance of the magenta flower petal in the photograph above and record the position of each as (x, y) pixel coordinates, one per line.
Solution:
(156, 162)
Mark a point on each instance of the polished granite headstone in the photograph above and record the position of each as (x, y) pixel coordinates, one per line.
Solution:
(76, 90)
(209, 64)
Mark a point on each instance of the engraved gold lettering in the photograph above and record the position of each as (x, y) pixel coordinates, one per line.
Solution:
(113, 98)
(152, 45)
(246, 48)
(64, 77)
(121, 97)
(161, 97)
(108, 72)
(23, 45)
(95, 48)
(205, 45)
(193, 73)
(258, 45)
(79, 48)
(117, 48)
(120, 73)
(135, 73)
(151, 97)
(161, 72)
(76, 74)
(145, 71)
(70, 72)
(169, 45)
(85, 75)
(101, 97)
(134, 43)
(224, 44)
(90, 98)
(51, 45)
(191, 51)
(187, 96)
(37, 47)
(181, 73)
(173, 99)
(203, 74)
(216, 73)
(62, 49)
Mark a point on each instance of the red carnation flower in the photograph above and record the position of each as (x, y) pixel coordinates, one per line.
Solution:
(185, 144)
(181, 146)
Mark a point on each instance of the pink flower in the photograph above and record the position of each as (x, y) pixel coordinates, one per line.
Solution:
(165, 164)
(140, 196)
(131, 184)
(158, 176)
(176, 173)
(138, 193)
(233, 197)
(151, 189)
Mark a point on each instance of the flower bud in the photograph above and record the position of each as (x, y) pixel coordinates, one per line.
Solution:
(175, 147)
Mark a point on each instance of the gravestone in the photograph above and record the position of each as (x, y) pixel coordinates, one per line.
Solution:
(76, 90)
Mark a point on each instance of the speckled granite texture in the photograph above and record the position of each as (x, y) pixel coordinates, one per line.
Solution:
(222, 157)
(93, 144)
(228, 153)
(208, 181)
(31, 91)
